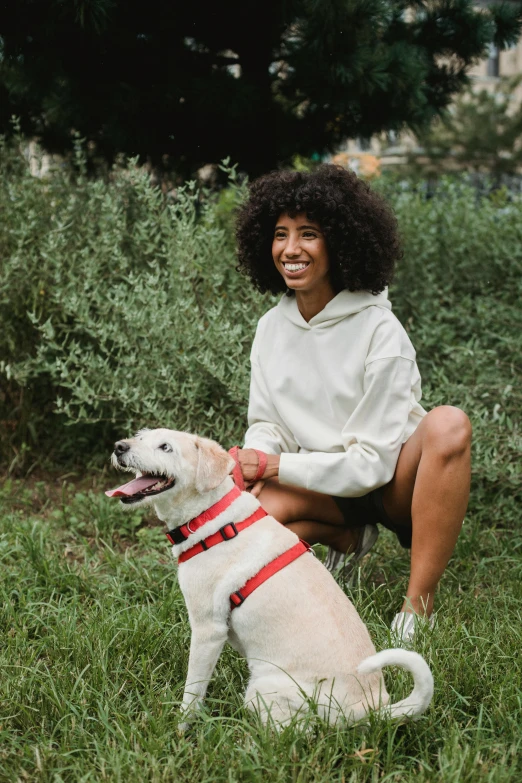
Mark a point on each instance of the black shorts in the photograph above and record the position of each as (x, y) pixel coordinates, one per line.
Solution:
(369, 510)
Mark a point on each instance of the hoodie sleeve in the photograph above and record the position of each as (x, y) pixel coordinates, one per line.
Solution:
(372, 437)
(266, 430)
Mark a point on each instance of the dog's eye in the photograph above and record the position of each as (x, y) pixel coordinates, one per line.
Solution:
(166, 447)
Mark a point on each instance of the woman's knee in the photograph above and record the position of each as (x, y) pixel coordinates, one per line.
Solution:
(448, 431)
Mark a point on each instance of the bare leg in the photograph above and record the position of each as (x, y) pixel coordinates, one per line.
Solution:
(312, 516)
(431, 488)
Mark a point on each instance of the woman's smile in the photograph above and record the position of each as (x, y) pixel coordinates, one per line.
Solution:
(293, 269)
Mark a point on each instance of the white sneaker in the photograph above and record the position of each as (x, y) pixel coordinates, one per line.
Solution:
(342, 566)
(405, 624)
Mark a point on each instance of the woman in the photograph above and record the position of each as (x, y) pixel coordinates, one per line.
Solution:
(335, 390)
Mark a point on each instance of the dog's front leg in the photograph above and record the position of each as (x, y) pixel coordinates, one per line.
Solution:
(206, 645)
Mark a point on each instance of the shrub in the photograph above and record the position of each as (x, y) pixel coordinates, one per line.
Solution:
(120, 307)
(458, 293)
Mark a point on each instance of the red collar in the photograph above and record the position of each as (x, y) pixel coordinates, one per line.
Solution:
(180, 534)
(225, 533)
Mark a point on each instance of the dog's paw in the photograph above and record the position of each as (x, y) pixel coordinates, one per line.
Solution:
(183, 727)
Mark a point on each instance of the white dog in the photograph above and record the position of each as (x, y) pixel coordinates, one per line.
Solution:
(302, 637)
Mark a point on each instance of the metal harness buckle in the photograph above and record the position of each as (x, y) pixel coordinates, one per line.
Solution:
(226, 537)
(236, 599)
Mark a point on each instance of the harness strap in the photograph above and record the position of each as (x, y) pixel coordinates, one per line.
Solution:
(237, 598)
(225, 533)
(180, 534)
(236, 473)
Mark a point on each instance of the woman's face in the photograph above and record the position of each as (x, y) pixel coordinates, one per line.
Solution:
(300, 254)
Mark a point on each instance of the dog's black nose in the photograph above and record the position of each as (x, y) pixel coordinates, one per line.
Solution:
(121, 447)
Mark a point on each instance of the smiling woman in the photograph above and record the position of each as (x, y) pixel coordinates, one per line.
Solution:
(357, 225)
(335, 389)
(301, 256)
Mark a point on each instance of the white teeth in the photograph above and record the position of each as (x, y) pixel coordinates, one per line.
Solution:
(295, 267)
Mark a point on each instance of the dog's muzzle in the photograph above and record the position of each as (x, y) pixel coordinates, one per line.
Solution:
(145, 486)
(120, 449)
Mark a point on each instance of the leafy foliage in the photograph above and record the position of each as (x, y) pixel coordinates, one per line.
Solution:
(121, 308)
(480, 132)
(185, 84)
(458, 292)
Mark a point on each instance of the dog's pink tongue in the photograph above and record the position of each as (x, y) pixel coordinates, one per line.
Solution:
(136, 485)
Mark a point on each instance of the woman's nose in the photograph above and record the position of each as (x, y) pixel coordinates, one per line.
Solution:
(292, 248)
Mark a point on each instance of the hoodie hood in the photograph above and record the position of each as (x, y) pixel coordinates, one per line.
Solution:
(346, 303)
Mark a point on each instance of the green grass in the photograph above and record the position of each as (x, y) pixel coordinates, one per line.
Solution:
(95, 645)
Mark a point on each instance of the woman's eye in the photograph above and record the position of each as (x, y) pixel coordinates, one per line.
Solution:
(309, 235)
(166, 447)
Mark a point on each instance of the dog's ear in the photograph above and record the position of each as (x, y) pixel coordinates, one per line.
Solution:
(214, 465)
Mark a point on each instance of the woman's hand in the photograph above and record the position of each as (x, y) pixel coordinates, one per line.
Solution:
(256, 488)
(249, 464)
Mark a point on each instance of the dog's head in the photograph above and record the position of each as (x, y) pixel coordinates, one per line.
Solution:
(168, 463)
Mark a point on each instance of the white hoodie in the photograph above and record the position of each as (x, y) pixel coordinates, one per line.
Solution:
(336, 397)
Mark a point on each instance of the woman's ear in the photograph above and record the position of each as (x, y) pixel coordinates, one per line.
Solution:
(214, 465)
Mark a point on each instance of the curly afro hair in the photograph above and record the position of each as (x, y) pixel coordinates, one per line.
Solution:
(359, 227)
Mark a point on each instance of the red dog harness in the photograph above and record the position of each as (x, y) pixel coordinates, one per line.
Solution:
(237, 598)
(226, 533)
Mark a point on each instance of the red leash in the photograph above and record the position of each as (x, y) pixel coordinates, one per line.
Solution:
(237, 475)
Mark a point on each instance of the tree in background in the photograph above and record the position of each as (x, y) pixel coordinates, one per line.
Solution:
(188, 83)
(481, 132)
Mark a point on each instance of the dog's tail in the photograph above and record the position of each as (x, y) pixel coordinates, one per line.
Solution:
(419, 699)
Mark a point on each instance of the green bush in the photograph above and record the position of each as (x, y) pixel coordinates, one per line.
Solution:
(121, 307)
(458, 293)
